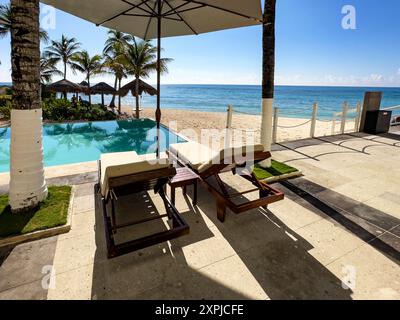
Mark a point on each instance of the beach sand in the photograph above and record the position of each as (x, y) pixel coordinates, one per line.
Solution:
(190, 124)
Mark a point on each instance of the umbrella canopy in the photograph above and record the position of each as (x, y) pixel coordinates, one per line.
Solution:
(143, 87)
(149, 19)
(63, 86)
(102, 88)
(179, 17)
(84, 87)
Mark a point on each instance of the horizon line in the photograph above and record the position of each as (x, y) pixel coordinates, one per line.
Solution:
(276, 85)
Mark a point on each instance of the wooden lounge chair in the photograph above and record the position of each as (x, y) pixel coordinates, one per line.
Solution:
(209, 164)
(126, 173)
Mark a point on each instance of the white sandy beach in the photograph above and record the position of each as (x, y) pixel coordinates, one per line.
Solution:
(190, 123)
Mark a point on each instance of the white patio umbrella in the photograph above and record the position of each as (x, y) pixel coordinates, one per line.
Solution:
(150, 19)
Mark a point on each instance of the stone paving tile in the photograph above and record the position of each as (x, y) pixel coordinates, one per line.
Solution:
(383, 204)
(25, 263)
(374, 216)
(395, 231)
(287, 270)
(72, 285)
(373, 275)
(329, 241)
(388, 244)
(83, 203)
(28, 291)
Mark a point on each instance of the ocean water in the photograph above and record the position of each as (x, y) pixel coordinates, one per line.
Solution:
(67, 143)
(293, 101)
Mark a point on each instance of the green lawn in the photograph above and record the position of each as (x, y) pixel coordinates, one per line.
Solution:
(51, 213)
(277, 169)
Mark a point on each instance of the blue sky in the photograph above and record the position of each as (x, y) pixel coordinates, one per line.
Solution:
(312, 47)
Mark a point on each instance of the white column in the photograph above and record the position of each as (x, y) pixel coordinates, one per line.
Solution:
(314, 120)
(275, 125)
(358, 118)
(344, 118)
(228, 136)
(27, 183)
(266, 128)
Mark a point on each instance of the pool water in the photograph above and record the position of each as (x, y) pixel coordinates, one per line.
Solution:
(67, 143)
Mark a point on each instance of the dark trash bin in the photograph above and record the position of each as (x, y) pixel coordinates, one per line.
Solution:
(377, 121)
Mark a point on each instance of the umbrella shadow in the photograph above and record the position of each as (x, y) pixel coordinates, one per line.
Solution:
(266, 255)
(276, 256)
(157, 272)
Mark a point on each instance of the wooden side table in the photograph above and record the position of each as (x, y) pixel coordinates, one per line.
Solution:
(183, 178)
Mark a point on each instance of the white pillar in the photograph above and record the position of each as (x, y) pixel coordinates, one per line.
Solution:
(228, 136)
(266, 128)
(358, 118)
(275, 125)
(27, 183)
(344, 118)
(314, 120)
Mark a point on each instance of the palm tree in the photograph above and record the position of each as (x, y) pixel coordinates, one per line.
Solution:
(48, 69)
(62, 51)
(114, 48)
(114, 62)
(141, 60)
(268, 75)
(88, 65)
(115, 37)
(5, 23)
(27, 183)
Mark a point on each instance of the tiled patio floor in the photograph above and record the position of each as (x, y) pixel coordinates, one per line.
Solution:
(340, 222)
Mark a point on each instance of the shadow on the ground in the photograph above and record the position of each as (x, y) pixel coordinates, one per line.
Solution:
(24, 270)
(365, 222)
(248, 253)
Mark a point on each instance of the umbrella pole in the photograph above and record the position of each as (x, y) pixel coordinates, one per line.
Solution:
(158, 110)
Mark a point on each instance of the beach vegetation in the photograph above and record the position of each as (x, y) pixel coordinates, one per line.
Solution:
(61, 110)
(62, 51)
(89, 66)
(114, 63)
(140, 61)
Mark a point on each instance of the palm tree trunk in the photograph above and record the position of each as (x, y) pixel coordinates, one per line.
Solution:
(119, 97)
(112, 103)
(137, 98)
(268, 76)
(89, 93)
(27, 182)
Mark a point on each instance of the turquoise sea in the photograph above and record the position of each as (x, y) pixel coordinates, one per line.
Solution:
(293, 101)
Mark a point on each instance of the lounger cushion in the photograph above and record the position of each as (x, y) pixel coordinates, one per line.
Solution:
(127, 163)
(192, 153)
(200, 157)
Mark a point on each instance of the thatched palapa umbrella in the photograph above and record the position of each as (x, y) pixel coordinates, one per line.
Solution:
(143, 88)
(156, 19)
(63, 86)
(102, 88)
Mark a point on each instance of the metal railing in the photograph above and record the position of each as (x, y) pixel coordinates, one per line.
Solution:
(339, 118)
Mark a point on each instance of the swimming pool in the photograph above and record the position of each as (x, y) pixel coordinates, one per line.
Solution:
(67, 143)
